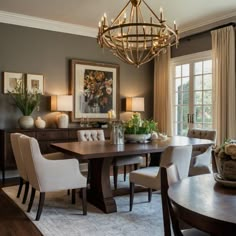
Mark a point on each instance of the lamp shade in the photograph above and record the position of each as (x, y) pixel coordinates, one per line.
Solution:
(61, 103)
(135, 104)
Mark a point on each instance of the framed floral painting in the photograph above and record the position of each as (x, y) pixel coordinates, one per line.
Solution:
(95, 90)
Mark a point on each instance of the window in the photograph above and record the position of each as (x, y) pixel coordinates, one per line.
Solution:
(192, 88)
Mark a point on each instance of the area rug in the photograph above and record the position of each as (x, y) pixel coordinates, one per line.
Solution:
(60, 217)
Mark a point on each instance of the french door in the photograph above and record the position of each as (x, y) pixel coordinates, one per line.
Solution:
(192, 100)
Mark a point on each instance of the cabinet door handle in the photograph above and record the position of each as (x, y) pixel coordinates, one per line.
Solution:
(192, 118)
(188, 117)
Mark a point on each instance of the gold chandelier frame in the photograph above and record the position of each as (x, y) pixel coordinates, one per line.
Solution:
(135, 40)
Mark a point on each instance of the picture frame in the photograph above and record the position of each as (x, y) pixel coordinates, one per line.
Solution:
(35, 82)
(10, 81)
(95, 90)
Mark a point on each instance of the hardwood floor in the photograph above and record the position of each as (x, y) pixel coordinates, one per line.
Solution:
(13, 221)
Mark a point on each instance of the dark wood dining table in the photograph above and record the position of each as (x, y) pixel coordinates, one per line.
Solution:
(205, 204)
(101, 154)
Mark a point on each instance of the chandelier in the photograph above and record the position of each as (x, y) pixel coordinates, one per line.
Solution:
(134, 39)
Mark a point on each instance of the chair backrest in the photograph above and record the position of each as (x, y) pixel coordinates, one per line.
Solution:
(169, 175)
(34, 160)
(20, 163)
(178, 155)
(202, 134)
(90, 135)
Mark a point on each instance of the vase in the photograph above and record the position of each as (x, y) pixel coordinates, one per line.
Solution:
(26, 122)
(137, 138)
(39, 123)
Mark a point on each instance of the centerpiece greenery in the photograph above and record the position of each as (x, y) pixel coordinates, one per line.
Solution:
(25, 101)
(136, 125)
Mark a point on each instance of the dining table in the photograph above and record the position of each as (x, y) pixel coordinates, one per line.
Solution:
(100, 155)
(206, 204)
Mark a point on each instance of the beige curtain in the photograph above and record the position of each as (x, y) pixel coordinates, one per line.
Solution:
(223, 49)
(162, 93)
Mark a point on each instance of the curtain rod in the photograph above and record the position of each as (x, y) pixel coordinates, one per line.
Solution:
(209, 30)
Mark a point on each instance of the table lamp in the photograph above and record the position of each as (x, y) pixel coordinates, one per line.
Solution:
(62, 103)
(135, 104)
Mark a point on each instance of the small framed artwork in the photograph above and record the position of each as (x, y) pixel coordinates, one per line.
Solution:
(11, 81)
(95, 90)
(34, 83)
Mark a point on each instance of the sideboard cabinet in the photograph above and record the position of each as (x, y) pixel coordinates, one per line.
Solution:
(44, 136)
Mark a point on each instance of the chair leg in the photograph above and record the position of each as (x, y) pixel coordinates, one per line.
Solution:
(149, 194)
(84, 200)
(40, 206)
(115, 174)
(73, 196)
(20, 187)
(124, 173)
(26, 192)
(31, 199)
(131, 195)
(89, 173)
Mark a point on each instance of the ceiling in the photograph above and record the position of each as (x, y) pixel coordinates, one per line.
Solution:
(189, 14)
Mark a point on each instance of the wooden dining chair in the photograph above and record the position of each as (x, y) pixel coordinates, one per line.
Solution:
(170, 175)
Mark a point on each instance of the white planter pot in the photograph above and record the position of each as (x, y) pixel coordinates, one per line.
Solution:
(26, 122)
(141, 138)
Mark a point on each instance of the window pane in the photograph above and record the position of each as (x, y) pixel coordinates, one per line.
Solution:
(207, 66)
(177, 85)
(185, 114)
(178, 98)
(198, 125)
(207, 126)
(197, 97)
(186, 83)
(185, 70)
(207, 97)
(198, 82)
(185, 98)
(198, 114)
(207, 81)
(207, 114)
(178, 71)
(184, 130)
(197, 68)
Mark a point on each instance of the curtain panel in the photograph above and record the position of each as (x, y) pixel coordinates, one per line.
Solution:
(224, 100)
(163, 93)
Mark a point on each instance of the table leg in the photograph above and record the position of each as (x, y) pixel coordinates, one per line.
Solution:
(100, 193)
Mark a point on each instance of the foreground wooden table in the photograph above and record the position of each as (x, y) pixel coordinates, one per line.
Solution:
(101, 154)
(203, 203)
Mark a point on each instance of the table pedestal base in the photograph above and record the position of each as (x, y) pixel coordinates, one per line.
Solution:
(100, 193)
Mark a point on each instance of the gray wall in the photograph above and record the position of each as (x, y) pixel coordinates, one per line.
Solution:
(36, 51)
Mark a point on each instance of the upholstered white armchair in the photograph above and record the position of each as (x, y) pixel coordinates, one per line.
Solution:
(98, 135)
(201, 155)
(50, 175)
(14, 137)
(150, 176)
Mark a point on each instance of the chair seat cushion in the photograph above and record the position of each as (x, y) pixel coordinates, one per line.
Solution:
(128, 160)
(146, 177)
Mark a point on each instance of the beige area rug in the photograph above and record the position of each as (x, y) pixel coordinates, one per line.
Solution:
(60, 217)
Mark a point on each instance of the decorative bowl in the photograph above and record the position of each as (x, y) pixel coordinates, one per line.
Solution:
(139, 138)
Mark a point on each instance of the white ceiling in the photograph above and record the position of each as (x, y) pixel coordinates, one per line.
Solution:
(189, 14)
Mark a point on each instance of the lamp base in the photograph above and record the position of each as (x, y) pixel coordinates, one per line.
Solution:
(62, 121)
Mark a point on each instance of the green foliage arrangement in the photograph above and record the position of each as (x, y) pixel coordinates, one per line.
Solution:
(136, 125)
(26, 101)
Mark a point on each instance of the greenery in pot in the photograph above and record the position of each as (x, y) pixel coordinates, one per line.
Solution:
(25, 101)
(136, 125)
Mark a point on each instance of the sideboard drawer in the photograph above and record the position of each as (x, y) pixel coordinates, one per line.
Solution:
(52, 135)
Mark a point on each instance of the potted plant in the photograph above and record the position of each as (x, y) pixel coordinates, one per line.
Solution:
(26, 102)
(139, 130)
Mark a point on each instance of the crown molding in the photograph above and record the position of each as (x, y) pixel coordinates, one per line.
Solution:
(211, 23)
(40, 23)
